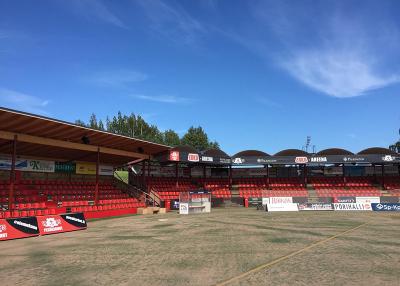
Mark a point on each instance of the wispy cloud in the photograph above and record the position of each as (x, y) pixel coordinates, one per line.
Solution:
(171, 99)
(171, 20)
(117, 78)
(21, 101)
(96, 10)
(334, 52)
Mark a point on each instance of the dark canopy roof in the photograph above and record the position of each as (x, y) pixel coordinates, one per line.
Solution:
(377, 150)
(292, 152)
(216, 153)
(251, 153)
(185, 148)
(334, 151)
(39, 136)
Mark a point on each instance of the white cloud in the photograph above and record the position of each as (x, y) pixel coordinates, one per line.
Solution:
(336, 51)
(95, 9)
(336, 73)
(118, 78)
(171, 21)
(24, 102)
(163, 98)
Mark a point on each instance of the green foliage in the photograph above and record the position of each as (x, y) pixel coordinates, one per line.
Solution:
(197, 138)
(136, 127)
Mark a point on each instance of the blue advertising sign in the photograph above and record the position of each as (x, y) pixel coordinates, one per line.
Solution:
(388, 207)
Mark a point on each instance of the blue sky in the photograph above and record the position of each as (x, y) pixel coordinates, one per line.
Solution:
(255, 74)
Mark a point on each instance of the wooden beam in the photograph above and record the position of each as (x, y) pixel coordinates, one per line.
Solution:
(69, 145)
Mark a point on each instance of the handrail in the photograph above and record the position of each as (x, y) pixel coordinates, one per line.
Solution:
(138, 191)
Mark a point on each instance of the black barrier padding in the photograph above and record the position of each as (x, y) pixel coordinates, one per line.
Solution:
(238, 201)
(326, 200)
(216, 202)
(75, 219)
(300, 200)
(25, 224)
(174, 204)
(390, 199)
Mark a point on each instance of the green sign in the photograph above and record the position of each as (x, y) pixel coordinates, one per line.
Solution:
(62, 167)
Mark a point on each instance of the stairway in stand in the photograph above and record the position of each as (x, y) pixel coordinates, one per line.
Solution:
(312, 194)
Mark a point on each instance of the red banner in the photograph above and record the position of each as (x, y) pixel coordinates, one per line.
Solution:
(13, 228)
(61, 223)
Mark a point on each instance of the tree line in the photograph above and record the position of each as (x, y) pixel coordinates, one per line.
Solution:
(136, 127)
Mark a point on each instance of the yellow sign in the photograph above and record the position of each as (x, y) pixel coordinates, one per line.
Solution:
(86, 168)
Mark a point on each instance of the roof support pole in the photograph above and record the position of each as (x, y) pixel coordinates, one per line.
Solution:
(96, 190)
(344, 175)
(176, 175)
(12, 173)
(305, 175)
(267, 177)
(143, 171)
(204, 175)
(148, 168)
(230, 177)
(383, 176)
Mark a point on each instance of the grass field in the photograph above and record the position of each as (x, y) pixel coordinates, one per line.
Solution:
(208, 249)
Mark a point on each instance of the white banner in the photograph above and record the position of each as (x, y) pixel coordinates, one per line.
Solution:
(280, 200)
(28, 165)
(286, 207)
(183, 208)
(106, 170)
(366, 200)
(352, 207)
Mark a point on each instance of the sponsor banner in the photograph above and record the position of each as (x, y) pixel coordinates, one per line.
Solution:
(174, 156)
(315, 207)
(86, 168)
(62, 167)
(286, 207)
(255, 201)
(28, 165)
(183, 208)
(344, 200)
(207, 159)
(192, 157)
(363, 200)
(18, 228)
(280, 200)
(386, 207)
(61, 223)
(352, 207)
(105, 170)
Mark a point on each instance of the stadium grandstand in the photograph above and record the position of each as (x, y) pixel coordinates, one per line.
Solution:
(50, 167)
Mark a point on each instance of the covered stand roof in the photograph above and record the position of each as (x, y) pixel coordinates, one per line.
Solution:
(292, 152)
(216, 153)
(251, 153)
(334, 151)
(377, 150)
(45, 137)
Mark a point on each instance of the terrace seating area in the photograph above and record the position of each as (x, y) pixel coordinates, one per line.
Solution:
(278, 187)
(46, 197)
(219, 187)
(166, 186)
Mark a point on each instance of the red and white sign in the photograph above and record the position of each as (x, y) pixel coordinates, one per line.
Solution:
(301, 160)
(280, 200)
(18, 228)
(174, 155)
(61, 223)
(193, 157)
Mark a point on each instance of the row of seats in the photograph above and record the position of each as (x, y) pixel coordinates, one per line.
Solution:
(106, 207)
(25, 213)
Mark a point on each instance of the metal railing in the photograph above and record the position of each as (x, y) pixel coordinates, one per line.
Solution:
(139, 190)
